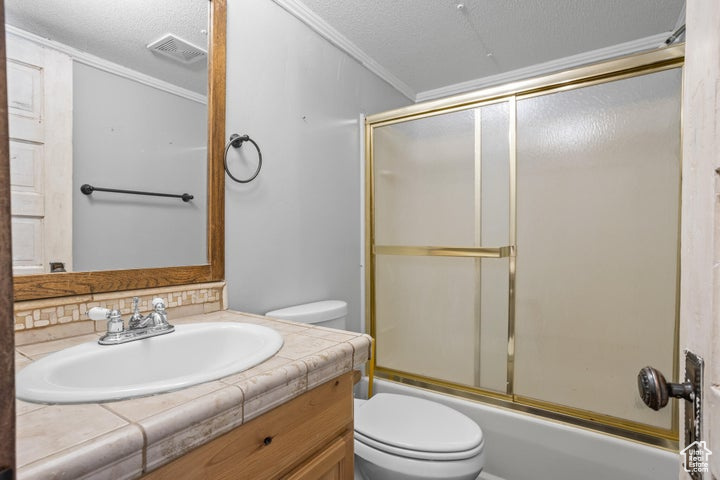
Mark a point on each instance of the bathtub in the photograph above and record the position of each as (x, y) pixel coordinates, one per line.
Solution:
(525, 447)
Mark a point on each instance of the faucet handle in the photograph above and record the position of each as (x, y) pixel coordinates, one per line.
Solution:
(158, 303)
(99, 313)
(115, 322)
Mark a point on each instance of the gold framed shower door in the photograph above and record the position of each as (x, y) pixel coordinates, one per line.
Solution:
(621, 68)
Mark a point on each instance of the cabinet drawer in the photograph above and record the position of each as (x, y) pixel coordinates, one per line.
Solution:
(273, 444)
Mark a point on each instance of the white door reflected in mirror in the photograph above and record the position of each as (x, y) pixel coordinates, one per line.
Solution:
(40, 125)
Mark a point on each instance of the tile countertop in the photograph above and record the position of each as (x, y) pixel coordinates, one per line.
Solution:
(124, 439)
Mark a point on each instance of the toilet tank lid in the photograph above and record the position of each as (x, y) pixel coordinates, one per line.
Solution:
(315, 312)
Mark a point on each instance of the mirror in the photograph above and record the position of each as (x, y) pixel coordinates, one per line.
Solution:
(106, 96)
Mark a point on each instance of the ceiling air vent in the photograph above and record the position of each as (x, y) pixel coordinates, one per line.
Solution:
(177, 49)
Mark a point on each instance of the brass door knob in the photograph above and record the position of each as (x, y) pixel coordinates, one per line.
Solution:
(656, 392)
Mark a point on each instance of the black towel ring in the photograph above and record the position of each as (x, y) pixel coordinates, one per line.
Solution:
(237, 141)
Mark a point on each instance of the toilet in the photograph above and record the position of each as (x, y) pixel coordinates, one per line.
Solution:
(399, 437)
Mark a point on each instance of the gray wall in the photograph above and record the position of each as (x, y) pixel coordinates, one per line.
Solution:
(131, 136)
(293, 234)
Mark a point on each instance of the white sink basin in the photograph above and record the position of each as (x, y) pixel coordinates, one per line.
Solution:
(194, 353)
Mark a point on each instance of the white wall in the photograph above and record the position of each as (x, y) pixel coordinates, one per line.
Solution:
(131, 136)
(293, 234)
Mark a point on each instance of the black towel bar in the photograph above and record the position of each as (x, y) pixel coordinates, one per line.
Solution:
(87, 189)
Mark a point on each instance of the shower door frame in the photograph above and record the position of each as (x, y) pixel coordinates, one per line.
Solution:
(603, 72)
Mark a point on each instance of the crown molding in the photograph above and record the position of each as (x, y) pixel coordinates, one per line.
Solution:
(107, 66)
(585, 58)
(300, 11)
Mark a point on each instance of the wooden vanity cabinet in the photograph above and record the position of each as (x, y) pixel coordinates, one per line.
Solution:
(307, 438)
(334, 462)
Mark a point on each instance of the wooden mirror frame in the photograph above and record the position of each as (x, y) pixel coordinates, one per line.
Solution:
(30, 287)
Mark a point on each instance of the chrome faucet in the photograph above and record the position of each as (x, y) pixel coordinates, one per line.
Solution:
(139, 327)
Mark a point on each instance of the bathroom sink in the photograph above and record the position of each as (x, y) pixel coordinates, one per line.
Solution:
(194, 353)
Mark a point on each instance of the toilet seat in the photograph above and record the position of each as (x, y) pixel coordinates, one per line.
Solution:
(418, 454)
(416, 428)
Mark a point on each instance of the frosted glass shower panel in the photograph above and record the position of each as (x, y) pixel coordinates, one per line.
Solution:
(598, 175)
(427, 319)
(424, 172)
(492, 123)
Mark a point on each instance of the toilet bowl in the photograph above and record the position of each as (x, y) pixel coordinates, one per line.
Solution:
(399, 437)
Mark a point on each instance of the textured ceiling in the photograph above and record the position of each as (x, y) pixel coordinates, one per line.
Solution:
(430, 44)
(119, 31)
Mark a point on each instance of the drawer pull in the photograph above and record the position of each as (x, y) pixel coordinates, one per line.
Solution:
(267, 441)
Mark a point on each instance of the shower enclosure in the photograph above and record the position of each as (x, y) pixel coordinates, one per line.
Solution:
(523, 242)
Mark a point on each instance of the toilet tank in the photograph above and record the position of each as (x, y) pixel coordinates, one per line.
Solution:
(328, 313)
